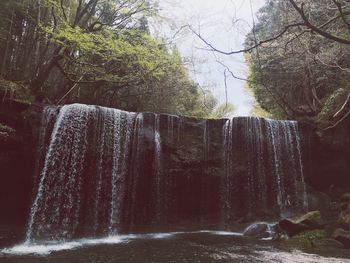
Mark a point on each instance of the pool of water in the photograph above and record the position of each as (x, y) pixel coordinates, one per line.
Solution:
(201, 246)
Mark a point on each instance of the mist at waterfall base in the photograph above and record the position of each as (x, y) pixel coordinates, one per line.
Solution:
(107, 177)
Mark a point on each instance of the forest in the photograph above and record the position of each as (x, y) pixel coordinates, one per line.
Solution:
(112, 149)
(96, 52)
(102, 52)
(298, 56)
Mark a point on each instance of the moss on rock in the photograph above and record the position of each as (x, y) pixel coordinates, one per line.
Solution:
(15, 90)
(345, 198)
(342, 236)
(306, 239)
(344, 220)
(6, 132)
(307, 222)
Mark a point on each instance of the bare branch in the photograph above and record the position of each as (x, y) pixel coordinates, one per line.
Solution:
(318, 30)
(231, 73)
(69, 91)
(63, 10)
(259, 43)
(276, 96)
(79, 15)
(80, 81)
(334, 19)
(225, 82)
(342, 107)
(340, 9)
(339, 121)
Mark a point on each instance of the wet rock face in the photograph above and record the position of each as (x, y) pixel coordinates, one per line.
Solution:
(139, 172)
(344, 215)
(124, 171)
(330, 159)
(344, 219)
(17, 161)
(262, 230)
(181, 172)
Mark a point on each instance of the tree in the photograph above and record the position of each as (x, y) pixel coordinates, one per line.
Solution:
(223, 111)
(302, 73)
(94, 51)
(298, 57)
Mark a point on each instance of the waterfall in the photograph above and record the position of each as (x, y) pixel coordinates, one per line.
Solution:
(105, 171)
(288, 166)
(271, 152)
(135, 160)
(179, 128)
(123, 132)
(48, 119)
(206, 138)
(158, 173)
(58, 194)
(226, 183)
(57, 212)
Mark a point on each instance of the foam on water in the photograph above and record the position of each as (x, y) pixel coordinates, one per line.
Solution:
(273, 256)
(237, 253)
(46, 248)
(220, 233)
(297, 256)
(42, 249)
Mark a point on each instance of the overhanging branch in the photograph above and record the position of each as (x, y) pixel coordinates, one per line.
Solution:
(316, 29)
(245, 50)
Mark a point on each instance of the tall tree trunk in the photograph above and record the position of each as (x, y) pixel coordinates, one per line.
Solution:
(4, 60)
(44, 72)
(37, 47)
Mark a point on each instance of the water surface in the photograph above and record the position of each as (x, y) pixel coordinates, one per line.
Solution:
(202, 246)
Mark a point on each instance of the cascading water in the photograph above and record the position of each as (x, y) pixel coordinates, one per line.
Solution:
(135, 161)
(58, 194)
(226, 183)
(122, 139)
(48, 119)
(85, 140)
(108, 171)
(288, 167)
(273, 179)
(158, 175)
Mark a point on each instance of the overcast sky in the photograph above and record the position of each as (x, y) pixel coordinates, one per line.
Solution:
(224, 23)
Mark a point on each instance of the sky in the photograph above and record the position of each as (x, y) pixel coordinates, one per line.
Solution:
(223, 23)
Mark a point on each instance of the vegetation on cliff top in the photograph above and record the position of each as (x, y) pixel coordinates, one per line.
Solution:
(300, 66)
(96, 52)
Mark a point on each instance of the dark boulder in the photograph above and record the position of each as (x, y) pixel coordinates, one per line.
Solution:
(344, 215)
(344, 219)
(318, 201)
(345, 198)
(261, 230)
(342, 236)
(309, 221)
(17, 160)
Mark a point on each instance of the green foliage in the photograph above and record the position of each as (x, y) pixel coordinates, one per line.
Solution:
(223, 111)
(300, 74)
(332, 103)
(257, 111)
(14, 91)
(97, 52)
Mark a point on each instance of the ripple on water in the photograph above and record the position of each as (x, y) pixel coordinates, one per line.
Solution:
(223, 249)
(46, 248)
(275, 256)
(298, 256)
